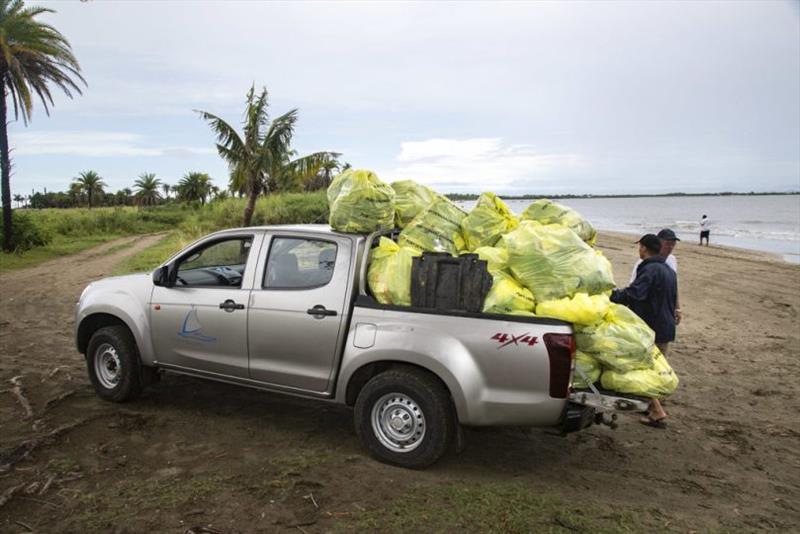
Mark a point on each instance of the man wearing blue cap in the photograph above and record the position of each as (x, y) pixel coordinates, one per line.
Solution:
(653, 297)
(668, 242)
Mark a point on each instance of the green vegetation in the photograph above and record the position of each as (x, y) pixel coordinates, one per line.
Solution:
(261, 159)
(55, 232)
(33, 55)
(152, 257)
(491, 507)
(285, 208)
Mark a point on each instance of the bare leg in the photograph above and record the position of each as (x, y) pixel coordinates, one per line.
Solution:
(656, 410)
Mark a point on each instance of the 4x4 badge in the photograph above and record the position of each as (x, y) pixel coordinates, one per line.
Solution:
(508, 339)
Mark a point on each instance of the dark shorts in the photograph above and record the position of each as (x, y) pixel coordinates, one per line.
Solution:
(704, 233)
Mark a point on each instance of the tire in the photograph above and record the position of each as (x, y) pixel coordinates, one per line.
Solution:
(404, 417)
(113, 363)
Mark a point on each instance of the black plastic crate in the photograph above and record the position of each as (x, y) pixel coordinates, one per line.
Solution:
(445, 282)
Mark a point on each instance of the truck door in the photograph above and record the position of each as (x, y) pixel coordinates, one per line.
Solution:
(296, 308)
(201, 322)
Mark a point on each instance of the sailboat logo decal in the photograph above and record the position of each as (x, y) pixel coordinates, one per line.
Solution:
(193, 329)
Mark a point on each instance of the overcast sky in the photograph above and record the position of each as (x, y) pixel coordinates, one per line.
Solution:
(510, 97)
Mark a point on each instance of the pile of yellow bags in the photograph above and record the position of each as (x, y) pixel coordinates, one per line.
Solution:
(548, 212)
(410, 199)
(487, 222)
(389, 273)
(436, 228)
(542, 264)
(553, 262)
(360, 203)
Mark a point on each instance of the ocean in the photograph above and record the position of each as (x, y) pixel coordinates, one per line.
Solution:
(768, 223)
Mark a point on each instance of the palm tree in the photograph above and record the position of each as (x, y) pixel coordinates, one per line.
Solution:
(261, 158)
(166, 188)
(18, 199)
(324, 176)
(194, 187)
(147, 189)
(90, 183)
(75, 193)
(33, 55)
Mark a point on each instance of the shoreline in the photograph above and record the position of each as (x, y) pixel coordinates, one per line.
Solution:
(733, 250)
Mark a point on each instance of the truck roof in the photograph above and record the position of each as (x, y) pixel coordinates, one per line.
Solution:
(315, 228)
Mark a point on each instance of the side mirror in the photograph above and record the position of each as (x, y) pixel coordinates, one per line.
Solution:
(161, 276)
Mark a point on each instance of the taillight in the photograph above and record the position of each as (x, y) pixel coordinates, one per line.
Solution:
(560, 350)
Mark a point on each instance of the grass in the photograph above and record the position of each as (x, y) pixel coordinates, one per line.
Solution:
(493, 507)
(60, 246)
(67, 231)
(151, 257)
(130, 499)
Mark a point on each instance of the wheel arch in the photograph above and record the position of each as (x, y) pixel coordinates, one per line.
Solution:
(94, 322)
(363, 374)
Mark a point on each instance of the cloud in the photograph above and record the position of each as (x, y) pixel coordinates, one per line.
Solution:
(96, 144)
(480, 163)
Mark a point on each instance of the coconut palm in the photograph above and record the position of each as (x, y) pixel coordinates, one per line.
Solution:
(261, 158)
(18, 199)
(194, 187)
(90, 183)
(33, 55)
(147, 189)
(166, 188)
(324, 176)
(75, 193)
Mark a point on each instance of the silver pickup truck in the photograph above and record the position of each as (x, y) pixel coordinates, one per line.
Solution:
(287, 309)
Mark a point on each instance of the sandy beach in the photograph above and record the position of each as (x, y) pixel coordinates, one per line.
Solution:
(191, 452)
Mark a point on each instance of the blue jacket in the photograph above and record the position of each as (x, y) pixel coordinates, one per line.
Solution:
(652, 297)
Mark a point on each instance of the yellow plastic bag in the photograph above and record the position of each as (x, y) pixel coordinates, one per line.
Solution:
(580, 309)
(508, 296)
(553, 262)
(496, 257)
(389, 273)
(437, 229)
(360, 203)
(548, 212)
(487, 222)
(657, 381)
(410, 200)
(589, 367)
(622, 341)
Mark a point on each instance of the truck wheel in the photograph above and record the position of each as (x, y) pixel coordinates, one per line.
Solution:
(113, 362)
(404, 417)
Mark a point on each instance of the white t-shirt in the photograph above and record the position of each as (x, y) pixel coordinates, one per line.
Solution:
(705, 224)
(671, 261)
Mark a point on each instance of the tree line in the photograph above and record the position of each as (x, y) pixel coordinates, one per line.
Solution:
(35, 56)
(89, 189)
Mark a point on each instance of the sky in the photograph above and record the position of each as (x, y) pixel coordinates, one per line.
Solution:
(515, 98)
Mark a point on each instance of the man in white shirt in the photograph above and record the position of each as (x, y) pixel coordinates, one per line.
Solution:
(668, 241)
(705, 229)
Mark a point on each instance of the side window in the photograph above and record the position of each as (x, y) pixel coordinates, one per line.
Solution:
(218, 264)
(296, 263)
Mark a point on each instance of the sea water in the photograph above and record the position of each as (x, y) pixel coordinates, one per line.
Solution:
(769, 223)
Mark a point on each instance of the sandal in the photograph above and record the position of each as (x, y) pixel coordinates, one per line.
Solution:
(648, 420)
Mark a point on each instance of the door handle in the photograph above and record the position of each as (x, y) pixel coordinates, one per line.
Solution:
(229, 305)
(319, 311)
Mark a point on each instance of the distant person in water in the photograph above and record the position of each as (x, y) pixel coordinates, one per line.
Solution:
(705, 229)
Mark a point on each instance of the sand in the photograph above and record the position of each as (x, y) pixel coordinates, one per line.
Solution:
(193, 452)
